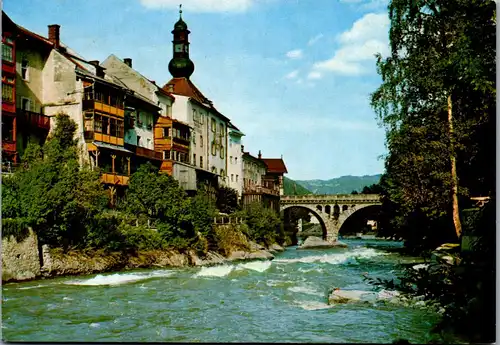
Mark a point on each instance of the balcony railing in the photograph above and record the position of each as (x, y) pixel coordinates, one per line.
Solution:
(260, 190)
(33, 119)
(114, 179)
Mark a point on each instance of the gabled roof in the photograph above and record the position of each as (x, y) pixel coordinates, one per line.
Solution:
(235, 129)
(185, 87)
(275, 165)
(114, 58)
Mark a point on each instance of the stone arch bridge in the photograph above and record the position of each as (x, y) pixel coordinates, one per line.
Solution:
(331, 210)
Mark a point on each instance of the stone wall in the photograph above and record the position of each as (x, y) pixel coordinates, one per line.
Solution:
(20, 260)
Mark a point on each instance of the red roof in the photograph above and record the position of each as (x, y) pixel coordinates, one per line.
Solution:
(275, 165)
(185, 87)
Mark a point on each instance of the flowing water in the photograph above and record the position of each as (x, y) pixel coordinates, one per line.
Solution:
(284, 300)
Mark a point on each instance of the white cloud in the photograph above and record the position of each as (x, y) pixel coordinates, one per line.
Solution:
(358, 45)
(314, 75)
(201, 5)
(294, 54)
(370, 26)
(293, 74)
(315, 39)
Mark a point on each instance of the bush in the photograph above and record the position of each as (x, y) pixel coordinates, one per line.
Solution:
(141, 238)
(264, 225)
(16, 227)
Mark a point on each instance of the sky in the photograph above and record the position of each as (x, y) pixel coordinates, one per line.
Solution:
(294, 75)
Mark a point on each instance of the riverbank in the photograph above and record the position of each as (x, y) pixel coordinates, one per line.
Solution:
(56, 262)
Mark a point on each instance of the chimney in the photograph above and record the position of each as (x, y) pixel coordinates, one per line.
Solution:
(54, 34)
(260, 155)
(170, 87)
(99, 71)
(128, 62)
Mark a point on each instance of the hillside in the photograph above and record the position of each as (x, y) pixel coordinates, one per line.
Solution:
(340, 185)
(293, 188)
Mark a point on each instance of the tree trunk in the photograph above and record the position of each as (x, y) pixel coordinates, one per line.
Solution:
(454, 178)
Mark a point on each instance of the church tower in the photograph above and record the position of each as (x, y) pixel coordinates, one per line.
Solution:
(181, 66)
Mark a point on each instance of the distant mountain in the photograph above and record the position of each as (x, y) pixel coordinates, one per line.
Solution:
(340, 185)
(293, 188)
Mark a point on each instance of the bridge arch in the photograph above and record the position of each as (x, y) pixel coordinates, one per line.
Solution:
(355, 217)
(314, 212)
(344, 206)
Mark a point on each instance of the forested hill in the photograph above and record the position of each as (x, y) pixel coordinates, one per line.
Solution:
(293, 188)
(339, 185)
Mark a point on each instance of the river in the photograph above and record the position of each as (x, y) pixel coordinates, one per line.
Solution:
(284, 300)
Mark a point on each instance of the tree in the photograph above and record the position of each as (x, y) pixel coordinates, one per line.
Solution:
(227, 200)
(436, 117)
(53, 194)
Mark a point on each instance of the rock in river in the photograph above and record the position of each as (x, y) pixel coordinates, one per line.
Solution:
(313, 242)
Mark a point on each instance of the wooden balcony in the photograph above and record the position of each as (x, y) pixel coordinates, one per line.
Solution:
(260, 190)
(115, 179)
(31, 118)
(141, 151)
(91, 135)
(89, 104)
(9, 146)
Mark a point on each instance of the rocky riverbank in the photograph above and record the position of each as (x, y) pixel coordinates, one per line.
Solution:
(75, 262)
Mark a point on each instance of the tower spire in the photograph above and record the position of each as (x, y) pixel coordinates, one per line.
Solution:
(180, 66)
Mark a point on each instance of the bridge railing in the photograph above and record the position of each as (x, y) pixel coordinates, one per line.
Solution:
(331, 197)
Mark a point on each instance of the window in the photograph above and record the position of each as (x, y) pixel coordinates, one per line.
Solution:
(213, 125)
(119, 125)
(98, 123)
(236, 178)
(166, 154)
(222, 172)
(232, 177)
(222, 152)
(138, 140)
(195, 116)
(201, 140)
(24, 69)
(25, 104)
(214, 149)
(166, 132)
(7, 53)
(231, 159)
(112, 127)
(221, 129)
(194, 139)
(149, 143)
(7, 93)
(235, 160)
(201, 162)
(194, 159)
(105, 125)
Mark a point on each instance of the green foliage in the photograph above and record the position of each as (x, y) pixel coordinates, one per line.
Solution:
(141, 238)
(291, 187)
(455, 40)
(227, 200)
(16, 227)
(52, 194)
(264, 225)
(156, 196)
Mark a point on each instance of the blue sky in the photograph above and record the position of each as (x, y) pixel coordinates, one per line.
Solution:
(294, 75)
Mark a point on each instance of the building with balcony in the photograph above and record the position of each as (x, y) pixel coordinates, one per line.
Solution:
(24, 60)
(172, 138)
(262, 180)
